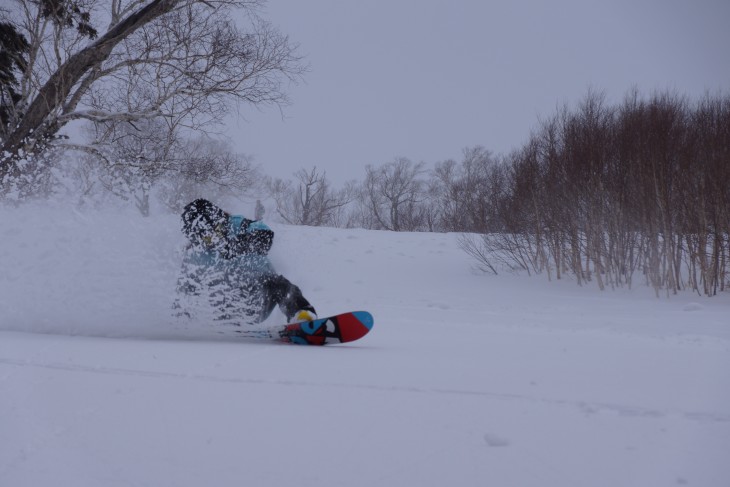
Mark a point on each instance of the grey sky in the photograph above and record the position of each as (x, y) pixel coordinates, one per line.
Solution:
(425, 78)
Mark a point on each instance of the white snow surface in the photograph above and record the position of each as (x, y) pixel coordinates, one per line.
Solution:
(466, 379)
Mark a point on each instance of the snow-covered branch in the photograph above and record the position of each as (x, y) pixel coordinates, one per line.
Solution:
(103, 116)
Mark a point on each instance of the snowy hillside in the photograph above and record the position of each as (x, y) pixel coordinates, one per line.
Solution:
(465, 380)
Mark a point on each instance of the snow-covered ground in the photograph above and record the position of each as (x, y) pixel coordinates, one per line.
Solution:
(465, 380)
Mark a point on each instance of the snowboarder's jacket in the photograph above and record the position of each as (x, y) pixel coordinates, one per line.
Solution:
(245, 245)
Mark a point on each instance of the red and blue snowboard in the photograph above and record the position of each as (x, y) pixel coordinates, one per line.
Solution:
(341, 328)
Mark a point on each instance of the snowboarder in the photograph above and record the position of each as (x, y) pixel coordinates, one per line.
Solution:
(227, 268)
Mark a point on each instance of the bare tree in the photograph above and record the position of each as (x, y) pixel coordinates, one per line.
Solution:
(140, 156)
(181, 61)
(392, 195)
(309, 200)
(205, 167)
(464, 193)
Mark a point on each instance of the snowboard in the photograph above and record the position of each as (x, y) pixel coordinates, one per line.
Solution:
(340, 328)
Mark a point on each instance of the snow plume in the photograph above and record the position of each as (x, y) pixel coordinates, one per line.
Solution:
(98, 272)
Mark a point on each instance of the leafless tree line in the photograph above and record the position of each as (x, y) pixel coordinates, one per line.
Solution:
(393, 196)
(616, 194)
(401, 195)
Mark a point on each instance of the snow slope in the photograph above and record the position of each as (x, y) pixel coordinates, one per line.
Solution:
(466, 379)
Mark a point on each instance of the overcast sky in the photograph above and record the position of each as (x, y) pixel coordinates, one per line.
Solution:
(425, 78)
